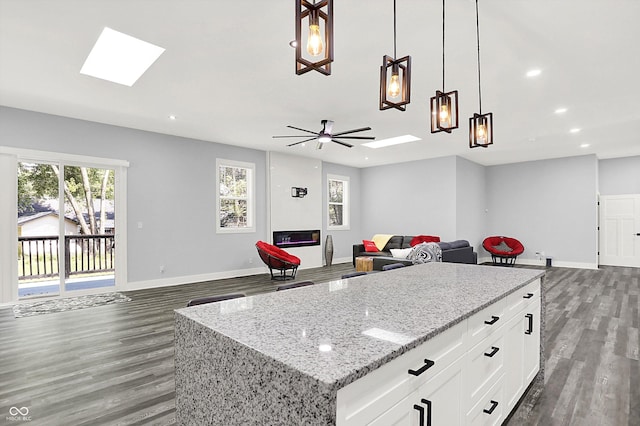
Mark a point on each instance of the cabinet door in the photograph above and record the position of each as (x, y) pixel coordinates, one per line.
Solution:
(514, 359)
(437, 402)
(531, 342)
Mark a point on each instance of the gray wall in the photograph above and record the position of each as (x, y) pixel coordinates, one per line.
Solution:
(413, 198)
(548, 205)
(619, 176)
(171, 189)
(343, 240)
(471, 217)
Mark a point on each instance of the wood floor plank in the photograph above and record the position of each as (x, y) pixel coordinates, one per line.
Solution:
(114, 364)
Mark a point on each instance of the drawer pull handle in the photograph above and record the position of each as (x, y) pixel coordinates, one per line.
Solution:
(494, 404)
(529, 330)
(528, 296)
(428, 404)
(427, 365)
(494, 351)
(494, 319)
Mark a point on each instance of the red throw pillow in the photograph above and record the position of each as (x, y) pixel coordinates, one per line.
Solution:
(369, 246)
(424, 239)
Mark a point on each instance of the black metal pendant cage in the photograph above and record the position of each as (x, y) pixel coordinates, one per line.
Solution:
(444, 112)
(481, 130)
(318, 16)
(400, 71)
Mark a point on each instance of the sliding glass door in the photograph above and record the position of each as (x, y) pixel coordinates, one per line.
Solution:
(66, 229)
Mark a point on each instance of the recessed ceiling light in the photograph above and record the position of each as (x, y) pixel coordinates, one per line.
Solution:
(391, 141)
(172, 117)
(584, 145)
(325, 347)
(534, 73)
(574, 130)
(120, 58)
(366, 158)
(560, 110)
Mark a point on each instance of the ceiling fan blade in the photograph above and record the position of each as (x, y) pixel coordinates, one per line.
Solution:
(327, 126)
(290, 136)
(304, 130)
(356, 137)
(342, 143)
(353, 131)
(306, 140)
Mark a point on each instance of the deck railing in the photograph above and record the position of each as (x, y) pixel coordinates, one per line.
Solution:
(84, 254)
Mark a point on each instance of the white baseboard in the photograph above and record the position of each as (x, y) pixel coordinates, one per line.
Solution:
(190, 279)
(338, 260)
(555, 263)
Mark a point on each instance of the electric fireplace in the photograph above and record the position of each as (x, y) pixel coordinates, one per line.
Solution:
(286, 239)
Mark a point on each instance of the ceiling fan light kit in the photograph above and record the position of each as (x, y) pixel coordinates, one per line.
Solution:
(480, 125)
(444, 105)
(395, 77)
(318, 53)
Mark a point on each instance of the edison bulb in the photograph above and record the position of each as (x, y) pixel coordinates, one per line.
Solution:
(394, 86)
(481, 133)
(314, 41)
(445, 119)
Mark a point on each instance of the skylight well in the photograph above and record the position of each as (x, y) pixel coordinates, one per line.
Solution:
(120, 58)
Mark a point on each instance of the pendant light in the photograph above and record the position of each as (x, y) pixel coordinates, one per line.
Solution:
(395, 77)
(444, 105)
(480, 125)
(317, 18)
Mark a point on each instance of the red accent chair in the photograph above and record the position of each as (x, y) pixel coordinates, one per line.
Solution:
(503, 250)
(278, 259)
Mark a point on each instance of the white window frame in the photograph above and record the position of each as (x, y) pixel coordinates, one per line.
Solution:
(251, 198)
(346, 209)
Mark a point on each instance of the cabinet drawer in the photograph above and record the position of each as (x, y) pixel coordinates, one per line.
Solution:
(484, 365)
(485, 322)
(490, 409)
(365, 399)
(522, 297)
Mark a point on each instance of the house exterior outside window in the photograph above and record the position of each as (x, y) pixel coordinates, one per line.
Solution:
(235, 205)
(338, 202)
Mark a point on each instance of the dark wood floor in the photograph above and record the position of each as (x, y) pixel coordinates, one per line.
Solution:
(113, 365)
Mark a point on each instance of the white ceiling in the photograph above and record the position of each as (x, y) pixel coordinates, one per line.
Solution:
(228, 73)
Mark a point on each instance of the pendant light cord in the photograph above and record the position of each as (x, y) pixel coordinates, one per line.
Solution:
(478, 40)
(395, 56)
(443, 46)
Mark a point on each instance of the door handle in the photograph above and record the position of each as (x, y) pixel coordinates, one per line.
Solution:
(420, 409)
(638, 234)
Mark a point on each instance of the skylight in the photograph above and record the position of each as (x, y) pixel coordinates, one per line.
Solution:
(120, 58)
(391, 141)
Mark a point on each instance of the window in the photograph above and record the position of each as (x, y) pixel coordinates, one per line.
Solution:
(338, 202)
(235, 204)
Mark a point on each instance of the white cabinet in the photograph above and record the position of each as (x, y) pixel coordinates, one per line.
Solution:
(437, 402)
(472, 373)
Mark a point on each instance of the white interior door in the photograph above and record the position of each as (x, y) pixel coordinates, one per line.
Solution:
(620, 230)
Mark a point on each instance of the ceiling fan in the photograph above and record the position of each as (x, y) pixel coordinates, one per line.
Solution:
(325, 135)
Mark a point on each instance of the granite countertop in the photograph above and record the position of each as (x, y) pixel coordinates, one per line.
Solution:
(337, 332)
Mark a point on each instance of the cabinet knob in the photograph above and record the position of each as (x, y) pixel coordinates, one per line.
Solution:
(494, 319)
(494, 404)
(427, 365)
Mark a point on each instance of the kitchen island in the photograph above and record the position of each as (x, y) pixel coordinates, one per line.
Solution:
(366, 349)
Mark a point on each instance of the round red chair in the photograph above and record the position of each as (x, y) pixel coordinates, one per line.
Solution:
(278, 259)
(503, 250)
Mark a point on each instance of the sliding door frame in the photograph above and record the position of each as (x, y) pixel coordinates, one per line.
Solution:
(9, 159)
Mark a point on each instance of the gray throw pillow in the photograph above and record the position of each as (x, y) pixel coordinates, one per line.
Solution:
(503, 247)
